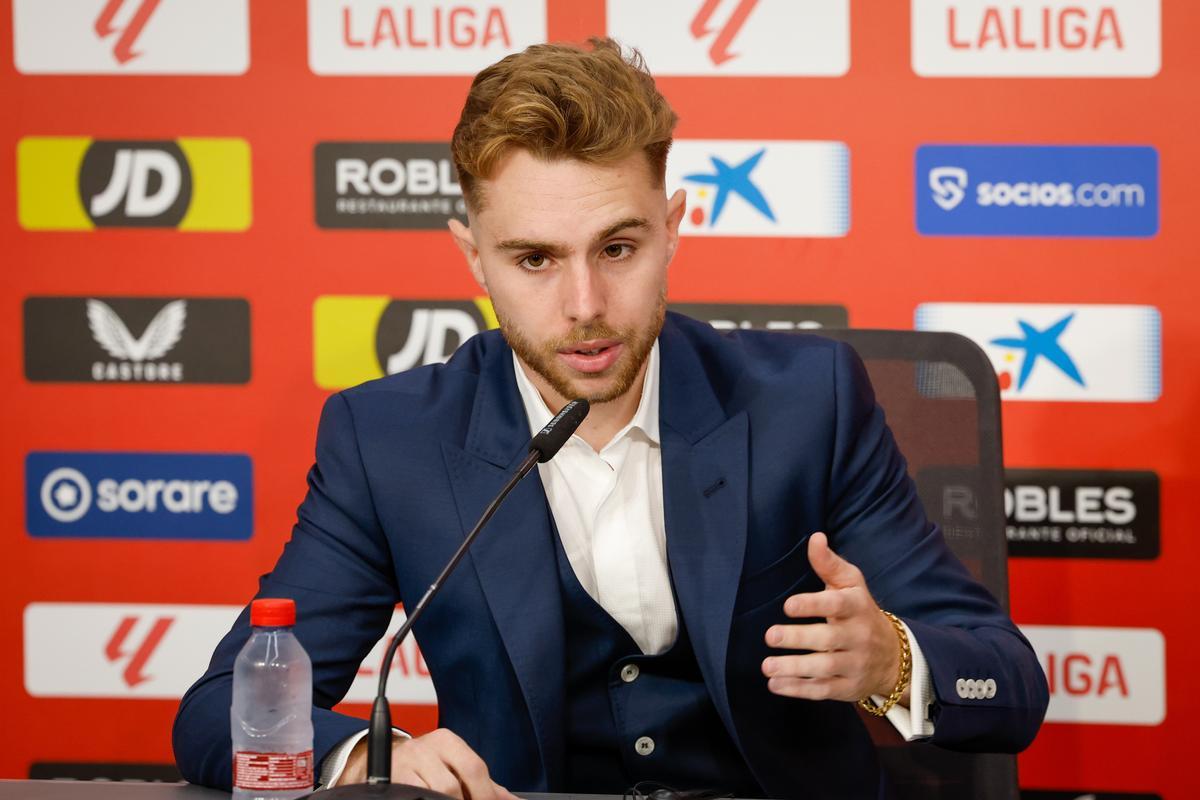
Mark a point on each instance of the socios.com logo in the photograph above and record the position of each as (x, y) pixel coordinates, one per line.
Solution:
(138, 495)
(361, 337)
(1037, 191)
(77, 183)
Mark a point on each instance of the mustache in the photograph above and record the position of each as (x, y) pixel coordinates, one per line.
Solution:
(597, 330)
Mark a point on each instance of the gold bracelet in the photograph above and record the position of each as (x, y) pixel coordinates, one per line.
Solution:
(867, 704)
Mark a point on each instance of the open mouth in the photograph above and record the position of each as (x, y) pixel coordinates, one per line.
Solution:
(592, 356)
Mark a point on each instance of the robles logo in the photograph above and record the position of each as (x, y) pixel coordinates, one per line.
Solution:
(409, 185)
(76, 183)
(138, 495)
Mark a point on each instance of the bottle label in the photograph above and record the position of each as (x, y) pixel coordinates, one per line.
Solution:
(272, 771)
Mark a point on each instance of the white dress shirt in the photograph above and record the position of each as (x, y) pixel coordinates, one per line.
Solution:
(608, 508)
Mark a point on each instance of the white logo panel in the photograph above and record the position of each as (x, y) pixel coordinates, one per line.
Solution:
(1037, 38)
(418, 37)
(1102, 675)
(762, 188)
(736, 37)
(131, 37)
(1104, 353)
(127, 650)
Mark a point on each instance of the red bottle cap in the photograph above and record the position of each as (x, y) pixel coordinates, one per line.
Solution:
(270, 612)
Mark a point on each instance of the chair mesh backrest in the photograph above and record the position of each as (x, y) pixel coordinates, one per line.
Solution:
(939, 393)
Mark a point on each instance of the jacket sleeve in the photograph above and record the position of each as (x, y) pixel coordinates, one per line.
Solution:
(338, 569)
(877, 522)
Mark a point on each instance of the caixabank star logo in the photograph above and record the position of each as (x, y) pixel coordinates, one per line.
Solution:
(80, 183)
(358, 338)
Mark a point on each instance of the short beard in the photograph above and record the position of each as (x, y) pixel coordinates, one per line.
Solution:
(543, 358)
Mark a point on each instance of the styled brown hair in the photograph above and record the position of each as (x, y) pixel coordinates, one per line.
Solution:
(561, 101)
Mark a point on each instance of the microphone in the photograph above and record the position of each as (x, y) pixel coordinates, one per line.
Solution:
(548, 441)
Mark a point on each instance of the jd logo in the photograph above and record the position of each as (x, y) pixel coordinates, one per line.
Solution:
(140, 184)
(137, 653)
(359, 338)
(427, 335)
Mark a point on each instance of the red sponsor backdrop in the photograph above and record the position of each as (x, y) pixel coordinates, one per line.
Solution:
(880, 271)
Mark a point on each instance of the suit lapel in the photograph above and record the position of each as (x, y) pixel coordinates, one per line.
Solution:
(514, 556)
(705, 490)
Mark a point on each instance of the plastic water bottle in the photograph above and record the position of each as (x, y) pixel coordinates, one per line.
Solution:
(271, 717)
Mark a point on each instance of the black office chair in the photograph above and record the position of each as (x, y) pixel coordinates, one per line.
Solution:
(942, 402)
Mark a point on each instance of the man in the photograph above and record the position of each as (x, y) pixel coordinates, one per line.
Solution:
(692, 591)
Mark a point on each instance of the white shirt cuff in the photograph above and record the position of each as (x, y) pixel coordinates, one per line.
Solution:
(913, 723)
(335, 763)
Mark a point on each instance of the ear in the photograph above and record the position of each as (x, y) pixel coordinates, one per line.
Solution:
(466, 243)
(676, 205)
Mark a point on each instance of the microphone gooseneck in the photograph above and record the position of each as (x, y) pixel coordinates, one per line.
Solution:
(548, 441)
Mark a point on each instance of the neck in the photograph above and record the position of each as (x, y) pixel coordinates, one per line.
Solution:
(604, 419)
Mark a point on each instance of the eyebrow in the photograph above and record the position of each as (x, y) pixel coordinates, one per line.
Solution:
(559, 248)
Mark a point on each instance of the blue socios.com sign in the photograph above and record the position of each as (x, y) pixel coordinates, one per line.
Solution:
(139, 495)
(1014, 190)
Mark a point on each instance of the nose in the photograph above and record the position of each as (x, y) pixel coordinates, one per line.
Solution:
(583, 294)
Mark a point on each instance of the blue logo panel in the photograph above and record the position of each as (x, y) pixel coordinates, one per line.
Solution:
(139, 495)
(1013, 190)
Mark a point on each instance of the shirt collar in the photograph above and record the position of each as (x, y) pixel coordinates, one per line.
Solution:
(644, 419)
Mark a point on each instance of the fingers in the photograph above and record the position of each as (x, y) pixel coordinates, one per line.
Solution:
(813, 688)
(816, 636)
(443, 762)
(810, 665)
(836, 571)
(830, 604)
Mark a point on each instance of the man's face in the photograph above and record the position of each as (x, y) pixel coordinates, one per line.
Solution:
(575, 258)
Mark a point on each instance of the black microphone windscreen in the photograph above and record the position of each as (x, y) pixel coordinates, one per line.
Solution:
(552, 437)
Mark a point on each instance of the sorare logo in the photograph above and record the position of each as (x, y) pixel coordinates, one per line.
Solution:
(736, 37)
(418, 37)
(138, 495)
(1017, 190)
(131, 37)
(762, 188)
(1037, 38)
(159, 340)
(1102, 353)
(361, 337)
(409, 185)
(766, 316)
(78, 183)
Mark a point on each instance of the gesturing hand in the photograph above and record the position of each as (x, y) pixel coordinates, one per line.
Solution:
(855, 652)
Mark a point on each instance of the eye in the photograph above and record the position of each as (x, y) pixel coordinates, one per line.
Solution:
(533, 262)
(617, 251)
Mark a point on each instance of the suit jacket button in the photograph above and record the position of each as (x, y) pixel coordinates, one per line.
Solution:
(644, 745)
(629, 673)
(990, 688)
(960, 686)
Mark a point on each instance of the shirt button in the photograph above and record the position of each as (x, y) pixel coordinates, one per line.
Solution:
(644, 745)
(629, 674)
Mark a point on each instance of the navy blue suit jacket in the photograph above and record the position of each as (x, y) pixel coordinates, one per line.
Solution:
(765, 439)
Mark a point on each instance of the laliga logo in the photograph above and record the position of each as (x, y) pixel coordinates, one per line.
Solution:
(133, 675)
(719, 51)
(949, 186)
(123, 49)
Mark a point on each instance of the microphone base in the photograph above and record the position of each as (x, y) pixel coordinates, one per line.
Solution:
(377, 791)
